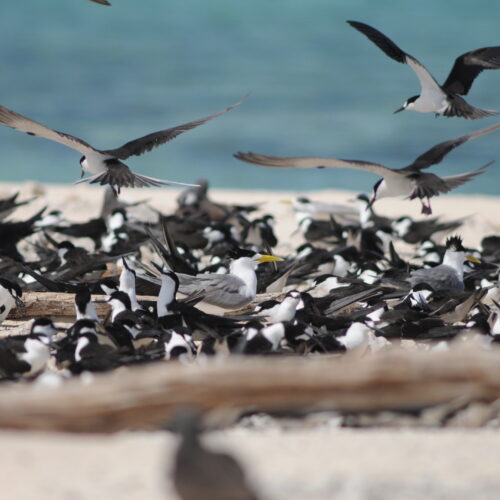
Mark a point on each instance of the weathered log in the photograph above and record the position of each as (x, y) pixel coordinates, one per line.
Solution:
(144, 396)
(55, 305)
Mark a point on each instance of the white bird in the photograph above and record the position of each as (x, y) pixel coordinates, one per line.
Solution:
(434, 98)
(229, 291)
(409, 180)
(105, 164)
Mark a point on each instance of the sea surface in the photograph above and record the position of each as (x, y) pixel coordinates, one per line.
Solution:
(318, 87)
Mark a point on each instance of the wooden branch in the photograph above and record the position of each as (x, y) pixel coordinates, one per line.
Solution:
(144, 396)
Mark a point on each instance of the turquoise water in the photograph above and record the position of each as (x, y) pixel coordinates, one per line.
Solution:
(318, 87)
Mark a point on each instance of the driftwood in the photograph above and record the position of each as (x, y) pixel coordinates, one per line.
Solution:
(56, 305)
(144, 396)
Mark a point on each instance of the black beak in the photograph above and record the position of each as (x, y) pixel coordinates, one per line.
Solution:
(20, 304)
(402, 108)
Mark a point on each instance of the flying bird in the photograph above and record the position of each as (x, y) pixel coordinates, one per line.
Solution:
(106, 165)
(409, 181)
(434, 98)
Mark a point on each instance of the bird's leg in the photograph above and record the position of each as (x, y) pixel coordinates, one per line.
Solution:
(426, 209)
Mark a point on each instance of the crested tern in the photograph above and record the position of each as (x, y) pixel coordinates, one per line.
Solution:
(106, 165)
(434, 98)
(448, 275)
(409, 180)
(232, 290)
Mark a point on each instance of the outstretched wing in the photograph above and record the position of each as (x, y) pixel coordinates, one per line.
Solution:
(427, 81)
(148, 142)
(19, 122)
(468, 66)
(437, 153)
(312, 162)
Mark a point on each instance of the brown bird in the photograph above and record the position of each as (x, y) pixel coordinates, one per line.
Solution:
(201, 474)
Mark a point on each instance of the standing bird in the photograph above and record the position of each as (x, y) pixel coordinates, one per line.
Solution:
(434, 98)
(105, 164)
(203, 474)
(409, 181)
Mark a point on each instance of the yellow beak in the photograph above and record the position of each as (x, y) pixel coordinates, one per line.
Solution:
(470, 258)
(269, 258)
(286, 202)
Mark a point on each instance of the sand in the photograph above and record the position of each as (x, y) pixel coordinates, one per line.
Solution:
(324, 462)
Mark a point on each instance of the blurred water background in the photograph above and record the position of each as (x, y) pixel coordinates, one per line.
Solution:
(318, 87)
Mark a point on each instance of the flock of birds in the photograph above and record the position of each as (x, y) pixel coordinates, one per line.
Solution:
(345, 289)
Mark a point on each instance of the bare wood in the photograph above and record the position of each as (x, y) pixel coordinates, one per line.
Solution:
(143, 397)
(55, 304)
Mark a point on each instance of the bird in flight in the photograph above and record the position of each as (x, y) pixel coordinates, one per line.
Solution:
(434, 98)
(409, 181)
(106, 165)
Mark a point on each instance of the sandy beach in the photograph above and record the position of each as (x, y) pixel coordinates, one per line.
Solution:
(298, 462)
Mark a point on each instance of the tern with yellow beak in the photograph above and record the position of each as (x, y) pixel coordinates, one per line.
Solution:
(228, 291)
(450, 274)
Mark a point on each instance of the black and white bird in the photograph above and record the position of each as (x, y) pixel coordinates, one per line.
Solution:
(106, 165)
(27, 355)
(434, 98)
(409, 180)
(10, 295)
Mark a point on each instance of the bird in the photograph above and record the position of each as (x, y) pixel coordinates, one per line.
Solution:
(27, 355)
(434, 98)
(106, 165)
(229, 291)
(10, 295)
(409, 180)
(200, 473)
(448, 275)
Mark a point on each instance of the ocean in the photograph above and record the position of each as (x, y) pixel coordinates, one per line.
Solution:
(318, 87)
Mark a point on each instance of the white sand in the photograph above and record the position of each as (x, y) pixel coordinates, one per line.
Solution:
(305, 464)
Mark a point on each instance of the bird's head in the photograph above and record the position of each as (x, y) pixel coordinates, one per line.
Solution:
(408, 104)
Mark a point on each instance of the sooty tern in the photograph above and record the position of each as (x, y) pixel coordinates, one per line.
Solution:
(105, 164)
(410, 180)
(434, 98)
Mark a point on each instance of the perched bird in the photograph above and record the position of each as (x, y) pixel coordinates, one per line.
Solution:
(27, 355)
(434, 98)
(10, 295)
(105, 164)
(448, 275)
(409, 181)
(203, 474)
(232, 290)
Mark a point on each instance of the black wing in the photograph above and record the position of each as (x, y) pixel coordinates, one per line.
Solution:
(437, 153)
(381, 41)
(468, 66)
(148, 142)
